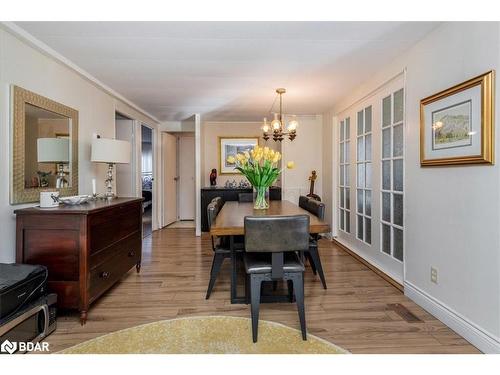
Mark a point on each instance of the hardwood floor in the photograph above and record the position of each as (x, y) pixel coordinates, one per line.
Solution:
(360, 311)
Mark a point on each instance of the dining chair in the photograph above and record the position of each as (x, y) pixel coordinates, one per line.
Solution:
(317, 208)
(271, 246)
(219, 246)
(245, 197)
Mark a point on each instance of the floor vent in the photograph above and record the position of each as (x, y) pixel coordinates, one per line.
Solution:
(403, 312)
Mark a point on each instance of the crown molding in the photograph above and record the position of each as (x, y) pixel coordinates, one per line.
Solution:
(29, 39)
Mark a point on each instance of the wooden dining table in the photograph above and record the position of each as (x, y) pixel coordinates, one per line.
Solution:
(230, 222)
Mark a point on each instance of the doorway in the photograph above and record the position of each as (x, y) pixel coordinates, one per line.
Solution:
(179, 197)
(147, 179)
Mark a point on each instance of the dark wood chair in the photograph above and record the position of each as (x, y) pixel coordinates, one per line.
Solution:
(271, 245)
(318, 209)
(245, 197)
(219, 245)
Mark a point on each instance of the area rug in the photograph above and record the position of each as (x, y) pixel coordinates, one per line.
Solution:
(205, 335)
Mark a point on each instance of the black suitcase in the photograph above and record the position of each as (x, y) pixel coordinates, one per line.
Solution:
(19, 285)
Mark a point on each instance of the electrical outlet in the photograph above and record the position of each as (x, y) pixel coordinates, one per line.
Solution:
(434, 275)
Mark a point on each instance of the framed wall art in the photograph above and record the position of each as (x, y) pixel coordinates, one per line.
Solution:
(457, 124)
(230, 146)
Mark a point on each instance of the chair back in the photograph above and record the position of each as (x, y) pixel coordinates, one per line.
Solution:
(313, 206)
(213, 209)
(273, 234)
(245, 197)
(303, 202)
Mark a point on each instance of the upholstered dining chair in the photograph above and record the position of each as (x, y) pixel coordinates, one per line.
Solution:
(271, 247)
(219, 246)
(317, 208)
(245, 197)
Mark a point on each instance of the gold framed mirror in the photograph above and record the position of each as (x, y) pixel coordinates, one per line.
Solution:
(44, 147)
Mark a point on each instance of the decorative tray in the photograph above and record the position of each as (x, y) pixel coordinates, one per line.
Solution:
(75, 199)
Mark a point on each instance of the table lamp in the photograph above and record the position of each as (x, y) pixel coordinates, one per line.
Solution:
(110, 151)
(54, 150)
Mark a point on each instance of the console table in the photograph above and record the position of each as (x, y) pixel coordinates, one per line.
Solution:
(228, 194)
(87, 248)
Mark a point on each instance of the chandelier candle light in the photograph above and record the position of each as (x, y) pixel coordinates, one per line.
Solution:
(260, 167)
(277, 126)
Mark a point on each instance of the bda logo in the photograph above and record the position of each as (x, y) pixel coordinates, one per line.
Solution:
(8, 347)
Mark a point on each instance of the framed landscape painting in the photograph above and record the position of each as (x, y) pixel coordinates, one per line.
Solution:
(230, 147)
(456, 125)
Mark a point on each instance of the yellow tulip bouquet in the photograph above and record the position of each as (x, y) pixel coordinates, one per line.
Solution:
(260, 167)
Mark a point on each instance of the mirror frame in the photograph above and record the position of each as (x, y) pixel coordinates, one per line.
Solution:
(21, 97)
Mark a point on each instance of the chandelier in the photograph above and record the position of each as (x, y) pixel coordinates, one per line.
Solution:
(277, 126)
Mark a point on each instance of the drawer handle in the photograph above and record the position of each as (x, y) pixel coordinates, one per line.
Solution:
(131, 253)
(104, 275)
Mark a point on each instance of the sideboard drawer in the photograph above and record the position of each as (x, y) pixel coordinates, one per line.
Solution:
(130, 245)
(109, 272)
(108, 227)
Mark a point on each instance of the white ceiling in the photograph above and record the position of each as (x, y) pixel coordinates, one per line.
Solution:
(229, 70)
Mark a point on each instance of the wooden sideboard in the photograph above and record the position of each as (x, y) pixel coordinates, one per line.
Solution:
(87, 248)
(228, 194)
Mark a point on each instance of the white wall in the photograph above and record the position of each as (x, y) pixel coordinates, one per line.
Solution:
(328, 182)
(452, 215)
(25, 66)
(125, 177)
(307, 153)
(210, 145)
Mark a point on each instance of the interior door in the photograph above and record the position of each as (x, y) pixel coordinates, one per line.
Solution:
(187, 197)
(169, 163)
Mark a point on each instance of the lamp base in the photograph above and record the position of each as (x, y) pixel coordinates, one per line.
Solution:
(109, 183)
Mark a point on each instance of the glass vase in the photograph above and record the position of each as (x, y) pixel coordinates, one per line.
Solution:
(260, 197)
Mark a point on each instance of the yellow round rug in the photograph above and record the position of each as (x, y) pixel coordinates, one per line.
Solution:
(205, 335)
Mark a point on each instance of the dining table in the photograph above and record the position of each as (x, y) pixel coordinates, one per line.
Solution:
(231, 222)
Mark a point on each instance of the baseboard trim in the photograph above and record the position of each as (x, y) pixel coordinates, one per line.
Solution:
(375, 269)
(468, 330)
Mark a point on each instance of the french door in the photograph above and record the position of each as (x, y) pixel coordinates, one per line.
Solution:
(371, 176)
(392, 229)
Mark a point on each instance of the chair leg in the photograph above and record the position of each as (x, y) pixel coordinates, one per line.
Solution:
(314, 254)
(289, 284)
(216, 265)
(311, 262)
(298, 284)
(255, 282)
(247, 289)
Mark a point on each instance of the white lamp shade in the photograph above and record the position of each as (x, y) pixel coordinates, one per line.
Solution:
(53, 150)
(105, 150)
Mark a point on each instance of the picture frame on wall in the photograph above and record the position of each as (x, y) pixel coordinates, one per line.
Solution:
(230, 146)
(457, 124)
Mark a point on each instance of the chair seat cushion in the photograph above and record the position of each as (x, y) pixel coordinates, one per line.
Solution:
(261, 262)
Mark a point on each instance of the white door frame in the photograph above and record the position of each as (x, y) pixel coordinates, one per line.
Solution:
(163, 221)
(197, 171)
(156, 173)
